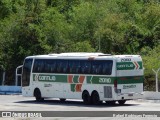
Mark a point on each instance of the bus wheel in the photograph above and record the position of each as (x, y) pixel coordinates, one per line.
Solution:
(95, 98)
(86, 98)
(62, 99)
(121, 102)
(110, 102)
(37, 95)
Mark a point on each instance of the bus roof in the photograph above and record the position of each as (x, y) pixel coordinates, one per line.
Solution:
(82, 55)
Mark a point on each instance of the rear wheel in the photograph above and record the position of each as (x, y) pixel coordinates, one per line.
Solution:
(86, 98)
(121, 102)
(95, 98)
(37, 95)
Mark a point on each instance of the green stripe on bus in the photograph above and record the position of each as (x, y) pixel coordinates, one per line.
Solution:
(120, 80)
(100, 80)
(75, 79)
(89, 79)
(130, 80)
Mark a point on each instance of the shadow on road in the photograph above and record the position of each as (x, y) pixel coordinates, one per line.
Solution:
(72, 103)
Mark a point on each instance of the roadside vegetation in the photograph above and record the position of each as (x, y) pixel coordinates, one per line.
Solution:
(31, 27)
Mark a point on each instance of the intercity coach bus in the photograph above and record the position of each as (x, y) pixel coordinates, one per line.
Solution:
(92, 77)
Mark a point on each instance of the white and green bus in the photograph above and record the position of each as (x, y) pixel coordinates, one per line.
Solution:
(92, 77)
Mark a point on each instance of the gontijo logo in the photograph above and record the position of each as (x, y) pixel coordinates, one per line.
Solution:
(39, 77)
(129, 65)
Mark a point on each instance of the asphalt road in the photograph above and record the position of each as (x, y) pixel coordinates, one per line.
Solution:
(22, 104)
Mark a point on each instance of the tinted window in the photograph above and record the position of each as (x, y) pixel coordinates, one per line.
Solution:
(101, 67)
(85, 67)
(107, 67)
(97, 67)
(44, 66)
(74, 66)
(49, 66)
(62, 66)
(26, 72)
(39, 65)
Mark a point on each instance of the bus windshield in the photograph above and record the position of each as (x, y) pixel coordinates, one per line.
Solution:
(26, 72)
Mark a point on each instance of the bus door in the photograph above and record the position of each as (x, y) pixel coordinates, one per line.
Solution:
(26, 76)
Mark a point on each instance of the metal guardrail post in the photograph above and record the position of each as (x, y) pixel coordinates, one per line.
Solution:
(156, 72)
(3, 78)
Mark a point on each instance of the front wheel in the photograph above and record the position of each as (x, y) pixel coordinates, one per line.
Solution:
(37, 95)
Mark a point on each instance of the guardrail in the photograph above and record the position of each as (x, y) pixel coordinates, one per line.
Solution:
(151, 95)
(5, 90)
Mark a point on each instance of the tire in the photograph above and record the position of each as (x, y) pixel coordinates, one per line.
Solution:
(86, 98)
(95, 98)
(110, 102)
(62, 99)
(121, 102)
(37, 95)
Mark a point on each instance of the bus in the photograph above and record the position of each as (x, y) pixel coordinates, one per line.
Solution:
(92, 77)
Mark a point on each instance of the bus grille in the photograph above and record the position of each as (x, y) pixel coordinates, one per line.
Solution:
(107, 92)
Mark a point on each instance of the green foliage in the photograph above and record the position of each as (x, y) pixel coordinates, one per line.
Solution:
(30, 27)
(151, 59)
(84, 46)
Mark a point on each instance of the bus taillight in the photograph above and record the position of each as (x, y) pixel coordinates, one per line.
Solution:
(115, 84)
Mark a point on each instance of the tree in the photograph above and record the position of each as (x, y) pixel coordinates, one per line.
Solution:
(151, 60)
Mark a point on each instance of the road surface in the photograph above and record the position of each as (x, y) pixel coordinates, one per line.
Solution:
(28, 104)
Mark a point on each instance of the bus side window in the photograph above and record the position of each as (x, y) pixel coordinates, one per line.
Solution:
(74, 66)
(82, 66)
(65, 66)
(86, 67)
(53, 66)
(35, 67)
(41, 66)
(95, 67)
(59, 66)
(38, 66)
(71, 66)
(107, 67)
(46, 66)
(78, 67)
